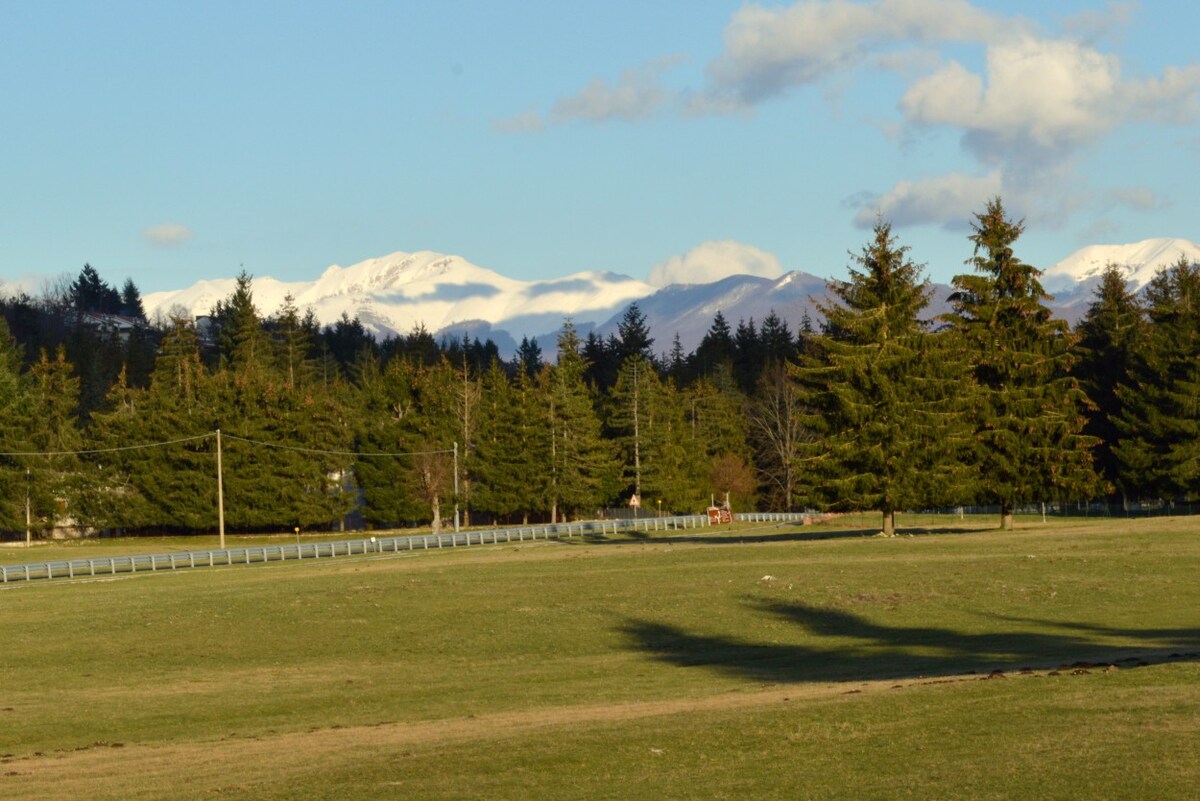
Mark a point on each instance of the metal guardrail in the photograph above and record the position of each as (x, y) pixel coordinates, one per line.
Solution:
(140, 563)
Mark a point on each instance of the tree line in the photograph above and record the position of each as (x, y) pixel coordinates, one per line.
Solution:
(876, 407)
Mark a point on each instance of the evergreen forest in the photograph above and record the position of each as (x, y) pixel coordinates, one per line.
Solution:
(877, 405)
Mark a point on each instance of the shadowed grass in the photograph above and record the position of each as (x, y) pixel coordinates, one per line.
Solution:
(632, 669)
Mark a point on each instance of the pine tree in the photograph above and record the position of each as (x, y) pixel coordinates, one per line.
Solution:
(387, 411)
(716, 349)
(675, 469)
(293, 346)
(282, 463)
(110, 498)
(529, 357)
(14, 432)
(881, 399)
(1109, 337)
(716, 430)
(131, 301)
(1029, 416)
(512, 447)
(633, 336)
(748, 362)
(173, 487)
(647, 421)
(601, 360)
(776, 340)
(629, 416)
(1158, 449)
(583, 471)
(90, 293)
(53, 432)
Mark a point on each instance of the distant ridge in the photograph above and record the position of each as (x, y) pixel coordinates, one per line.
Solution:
(450, 296)
(1141, 261)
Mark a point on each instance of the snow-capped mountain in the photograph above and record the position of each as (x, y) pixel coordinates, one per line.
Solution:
(395, 293)
(452, 297)
(1140, 261)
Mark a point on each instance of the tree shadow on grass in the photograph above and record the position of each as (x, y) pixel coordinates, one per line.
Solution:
(847, 647)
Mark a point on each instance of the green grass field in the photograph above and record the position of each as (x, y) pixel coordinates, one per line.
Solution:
(771, 662)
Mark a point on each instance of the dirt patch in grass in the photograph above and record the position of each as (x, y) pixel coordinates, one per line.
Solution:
(235, 764)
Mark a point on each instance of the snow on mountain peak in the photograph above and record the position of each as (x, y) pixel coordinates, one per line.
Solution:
(1141, 261)
(394, 293)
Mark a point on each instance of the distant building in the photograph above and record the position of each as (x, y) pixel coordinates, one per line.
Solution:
(111, 326)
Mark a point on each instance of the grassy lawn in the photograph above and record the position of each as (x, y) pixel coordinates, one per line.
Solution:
(773, 661)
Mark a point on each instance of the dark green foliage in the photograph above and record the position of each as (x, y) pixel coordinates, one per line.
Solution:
(1158, 447)
(1029, 413)
(748, 355)
(509, 474)
(529, 357)
(56, 477)
(89, 293)
(716, 349)
(601, 361)
(777, 345)
(131, 301)
(387, 404)
(14, 431)
(1109, 338)
(883, 397)
(647, 421)
(583, 472)
(172, 486)
(633, 336)
(870, 418)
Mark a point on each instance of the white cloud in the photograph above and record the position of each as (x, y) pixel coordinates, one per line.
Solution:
(1174, 98)
(167, 235)
(712, 261)
(637, 95)
(770, 50)
(937, 201)
(1141, 198)
(1041, 93)
(527, 122)
(1092, 25)
(1032, 114)
(1025, 118)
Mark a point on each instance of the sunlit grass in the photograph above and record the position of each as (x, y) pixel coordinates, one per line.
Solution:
(626, 667)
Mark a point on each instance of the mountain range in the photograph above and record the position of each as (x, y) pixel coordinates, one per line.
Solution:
(449, 296)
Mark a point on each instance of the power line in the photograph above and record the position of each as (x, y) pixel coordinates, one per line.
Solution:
(280, 446)
(108, 450)
(320, 452)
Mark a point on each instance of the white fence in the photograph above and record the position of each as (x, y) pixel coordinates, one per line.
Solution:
(140, 563)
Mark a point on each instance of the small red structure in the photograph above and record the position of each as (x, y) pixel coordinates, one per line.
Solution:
(718, 515)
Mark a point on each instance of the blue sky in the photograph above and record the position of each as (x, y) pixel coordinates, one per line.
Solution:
(171, 142)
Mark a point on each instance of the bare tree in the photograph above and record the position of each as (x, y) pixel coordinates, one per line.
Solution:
(777, 433)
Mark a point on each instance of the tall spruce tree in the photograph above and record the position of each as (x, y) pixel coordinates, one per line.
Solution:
(1029, 415)
(716, 431)
(174, 486)
(1158, 448)
(56, 475)
(883, 398)
(1110, 336)
(509, 467)
(716, 349)
(283, 463)
(584, 472)
(386, 412)
(131, 301)
(14, 432)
